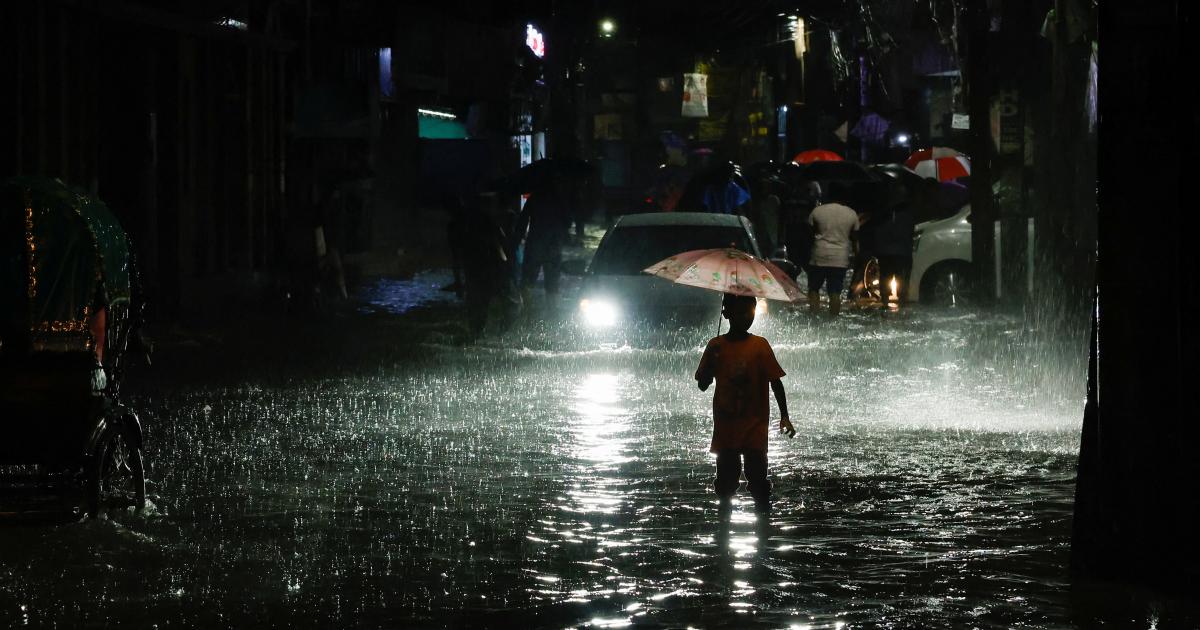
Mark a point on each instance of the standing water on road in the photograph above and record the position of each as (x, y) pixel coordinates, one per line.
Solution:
(372, 472)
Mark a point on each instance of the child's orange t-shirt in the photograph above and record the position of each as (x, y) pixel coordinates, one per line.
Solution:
(743, 370)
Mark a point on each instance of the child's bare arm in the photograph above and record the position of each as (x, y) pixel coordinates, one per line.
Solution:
(785, 423)
(704, 373)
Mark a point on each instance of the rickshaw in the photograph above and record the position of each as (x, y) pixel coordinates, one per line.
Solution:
(67, 317)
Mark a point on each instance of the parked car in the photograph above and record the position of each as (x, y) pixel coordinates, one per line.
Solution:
(614, 288)
(941, 271)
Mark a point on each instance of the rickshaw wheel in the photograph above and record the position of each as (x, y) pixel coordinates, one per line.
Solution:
(117, 480)
(872, 288)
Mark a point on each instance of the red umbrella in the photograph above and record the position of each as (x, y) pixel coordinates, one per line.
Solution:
(932, 153)
(816, 155)
(944, 169)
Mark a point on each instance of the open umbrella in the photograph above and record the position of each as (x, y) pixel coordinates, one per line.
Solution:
(727, 270)
(816, 155)
(945, 169)
(932, 153)
(940, 163)
(540, 174)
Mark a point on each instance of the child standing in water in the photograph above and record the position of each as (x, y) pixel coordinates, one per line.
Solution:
(743, 366)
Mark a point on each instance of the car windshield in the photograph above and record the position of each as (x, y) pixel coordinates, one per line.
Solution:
(629, 250)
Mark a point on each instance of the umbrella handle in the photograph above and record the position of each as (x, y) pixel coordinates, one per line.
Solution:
(718, 324)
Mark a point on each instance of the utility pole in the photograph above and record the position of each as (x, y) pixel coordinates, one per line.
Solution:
(979, 93)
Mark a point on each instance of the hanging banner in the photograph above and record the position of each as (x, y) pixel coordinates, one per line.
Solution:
(695, 95)
(1006, 122)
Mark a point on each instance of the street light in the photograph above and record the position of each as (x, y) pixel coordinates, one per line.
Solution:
(799, 43)
(607, 27)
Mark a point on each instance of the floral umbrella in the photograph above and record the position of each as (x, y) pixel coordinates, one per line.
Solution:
(816, 155)
(728, 270)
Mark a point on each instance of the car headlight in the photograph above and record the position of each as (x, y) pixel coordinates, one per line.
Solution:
(598, 313)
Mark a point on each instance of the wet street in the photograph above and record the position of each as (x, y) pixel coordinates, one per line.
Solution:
(548, 477)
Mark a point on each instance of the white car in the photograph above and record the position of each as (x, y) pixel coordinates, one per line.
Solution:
(614, 288)
(941, 270)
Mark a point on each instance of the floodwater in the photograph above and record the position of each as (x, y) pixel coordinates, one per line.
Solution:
(369, 470)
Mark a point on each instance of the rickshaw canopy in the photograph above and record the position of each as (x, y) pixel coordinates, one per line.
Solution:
(64, 256)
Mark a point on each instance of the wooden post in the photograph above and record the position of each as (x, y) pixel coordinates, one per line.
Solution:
(267, 196)
(186, 152)
(248, 135)
(40, 114)
(65, 101)
(22, 42)
(149, 237)
(983, 214)
(1135, 508)
(212, 240)
(281, 139)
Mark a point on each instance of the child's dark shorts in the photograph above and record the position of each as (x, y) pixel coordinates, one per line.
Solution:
(730, 463)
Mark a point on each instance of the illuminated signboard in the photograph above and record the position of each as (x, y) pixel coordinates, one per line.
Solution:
(535, 41)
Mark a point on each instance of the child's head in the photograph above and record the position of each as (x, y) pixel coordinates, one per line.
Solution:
(739, 310)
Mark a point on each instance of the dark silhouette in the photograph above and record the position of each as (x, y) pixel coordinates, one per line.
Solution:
(479, 246)
(546, 219)
(797, 233)
(743, 366)
(893, 245)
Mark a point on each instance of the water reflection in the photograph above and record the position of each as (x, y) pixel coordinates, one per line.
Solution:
(600, 422)
(535, 481)
(598, 430)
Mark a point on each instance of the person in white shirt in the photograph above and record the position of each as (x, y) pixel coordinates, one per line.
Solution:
(835, 228)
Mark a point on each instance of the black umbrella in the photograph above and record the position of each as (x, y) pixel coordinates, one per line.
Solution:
(837, 172)
(541, 174)
(902, 175)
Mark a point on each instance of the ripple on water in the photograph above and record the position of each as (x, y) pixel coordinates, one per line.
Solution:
(533, 480)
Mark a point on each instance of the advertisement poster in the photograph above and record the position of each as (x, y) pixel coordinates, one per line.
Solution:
(695, 95)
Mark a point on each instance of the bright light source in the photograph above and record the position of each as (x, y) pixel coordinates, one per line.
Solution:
(598, 313)
(902, 139)
(607, 27)
(436, 114)
(386, 87)
(760, 306)
(799, 43)
(535, 41)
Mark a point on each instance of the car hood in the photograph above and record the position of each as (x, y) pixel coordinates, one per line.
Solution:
(648, 294)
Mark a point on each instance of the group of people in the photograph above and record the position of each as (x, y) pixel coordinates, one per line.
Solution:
(825, 234)
(499, 251)
(837, 239)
